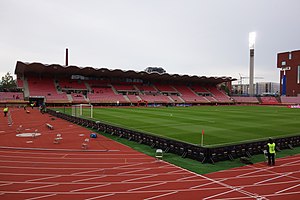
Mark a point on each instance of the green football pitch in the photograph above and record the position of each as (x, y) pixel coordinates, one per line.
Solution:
(222, 125)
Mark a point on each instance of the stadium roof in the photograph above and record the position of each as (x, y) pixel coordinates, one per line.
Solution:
(55, 69)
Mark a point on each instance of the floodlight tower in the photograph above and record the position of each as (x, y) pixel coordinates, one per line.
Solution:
(67, 57)
(252, 36)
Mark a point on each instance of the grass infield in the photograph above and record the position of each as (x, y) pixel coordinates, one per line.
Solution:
(221, 124)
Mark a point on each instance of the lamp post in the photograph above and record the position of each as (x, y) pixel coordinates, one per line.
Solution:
(252, 37)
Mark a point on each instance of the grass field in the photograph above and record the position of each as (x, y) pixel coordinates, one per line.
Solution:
(221, 124)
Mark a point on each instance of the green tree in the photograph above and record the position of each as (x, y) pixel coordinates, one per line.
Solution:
(8, 82)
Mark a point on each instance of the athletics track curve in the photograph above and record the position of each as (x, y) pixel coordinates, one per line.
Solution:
(36, 168)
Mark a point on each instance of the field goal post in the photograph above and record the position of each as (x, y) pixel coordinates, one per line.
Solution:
(82, 110)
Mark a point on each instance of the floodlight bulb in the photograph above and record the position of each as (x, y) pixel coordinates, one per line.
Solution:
(252, 37)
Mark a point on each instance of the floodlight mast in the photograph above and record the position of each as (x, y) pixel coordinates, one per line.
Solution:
(252, 37)
(67, 57)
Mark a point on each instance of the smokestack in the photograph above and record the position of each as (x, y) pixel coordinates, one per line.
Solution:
(67, 57)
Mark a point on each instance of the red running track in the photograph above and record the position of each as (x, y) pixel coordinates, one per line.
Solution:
(36, 168)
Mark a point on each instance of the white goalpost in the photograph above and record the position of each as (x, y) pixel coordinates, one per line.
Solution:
(82, 110)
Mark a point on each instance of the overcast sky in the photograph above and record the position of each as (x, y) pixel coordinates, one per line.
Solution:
(194, 37)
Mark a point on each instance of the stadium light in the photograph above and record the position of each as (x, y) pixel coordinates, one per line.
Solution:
(252, 36)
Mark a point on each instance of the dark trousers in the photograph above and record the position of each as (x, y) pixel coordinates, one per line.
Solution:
(5, 113)
(271, 159)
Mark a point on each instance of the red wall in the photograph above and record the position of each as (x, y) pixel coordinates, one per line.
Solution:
(292, 87)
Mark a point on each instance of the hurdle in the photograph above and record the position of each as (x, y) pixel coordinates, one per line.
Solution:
(57, 139)
(49, 126)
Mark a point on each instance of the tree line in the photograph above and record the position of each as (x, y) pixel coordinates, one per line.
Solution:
(8, 83)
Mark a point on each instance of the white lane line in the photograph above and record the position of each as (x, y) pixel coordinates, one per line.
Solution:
(87, 179)
(102, 196)
(61, 163)
(270, 179)
(138, 170)
(181, 179)
(48, 168)
(219, 194)
(78, 173)
(73, 154)
(162, 195)
(174, 172)
(290, 163)
(252, 172)
(89, 175)
(90, 187)
(65, 156)
(127, 165)
(219, 182)
(287, 189)
(147, 186)
(33, 198)
(45, 178)
(33, 188)
(134, 179)
(10, 183)
(197, 186)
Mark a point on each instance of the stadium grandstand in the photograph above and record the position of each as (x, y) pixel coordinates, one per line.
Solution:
(65, 85)
(56, 84)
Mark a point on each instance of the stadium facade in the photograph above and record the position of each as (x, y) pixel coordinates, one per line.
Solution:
(289, 63)
(56, 84)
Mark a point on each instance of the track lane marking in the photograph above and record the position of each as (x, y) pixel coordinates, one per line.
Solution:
(162, 195)
(45, 178)
(33, 198)
(90, 187)
(138, 170)
(134, 179)
(287, 189)
(86, 179)
(99, 197)
(147, 186)
(33, 188)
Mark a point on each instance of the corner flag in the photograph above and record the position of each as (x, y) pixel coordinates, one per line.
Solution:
(202, 138)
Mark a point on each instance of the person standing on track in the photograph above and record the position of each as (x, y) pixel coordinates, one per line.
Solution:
(5, 111)
(32, 105)
(271, 152)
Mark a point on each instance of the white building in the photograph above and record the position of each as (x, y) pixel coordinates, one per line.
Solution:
(260, 88)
